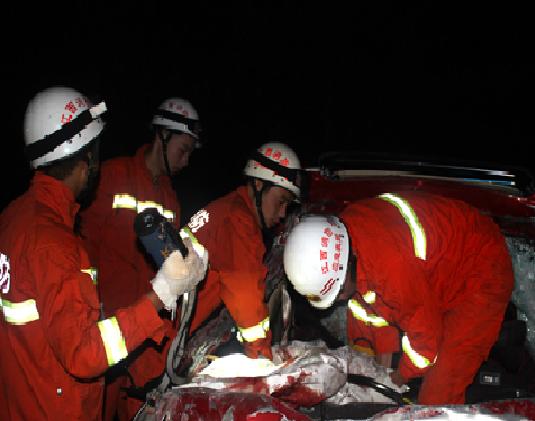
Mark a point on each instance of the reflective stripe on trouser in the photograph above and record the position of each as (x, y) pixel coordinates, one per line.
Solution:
(126, 201)
(113, 340)
(253, 333)
(417, 231)
(417, 359)
(360, 313)
(19, 313)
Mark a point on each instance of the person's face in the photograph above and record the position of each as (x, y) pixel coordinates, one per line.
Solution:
(91, 176)
(179, 149)
(275, 203)
(349, 287)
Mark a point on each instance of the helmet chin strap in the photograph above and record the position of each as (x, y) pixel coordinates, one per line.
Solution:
(266, 185)
(165, 141)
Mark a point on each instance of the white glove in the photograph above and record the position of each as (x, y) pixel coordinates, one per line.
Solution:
(178, 275)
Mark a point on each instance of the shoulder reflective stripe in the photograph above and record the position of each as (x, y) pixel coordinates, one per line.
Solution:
(417, 359)
(253, 333)
(369, 297)
(417, 231)
(359, 313)
(19, 313)
(93, 272)
(113, 340)
(126, 201)
(198, 247)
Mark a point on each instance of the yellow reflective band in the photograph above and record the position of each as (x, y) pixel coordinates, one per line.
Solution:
(417, 359)
(141, 206)
(19, 313)
(417, 231)
(113, 340)
(169, 215)
(359, 313)
(198, 247)
(369, 297)
(93, 272)
(124, 201)
(253, 333)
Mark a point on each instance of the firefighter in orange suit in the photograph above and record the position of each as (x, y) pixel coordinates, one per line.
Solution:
(231, 229)
(433, 279)
(127, 186)
(55, 344)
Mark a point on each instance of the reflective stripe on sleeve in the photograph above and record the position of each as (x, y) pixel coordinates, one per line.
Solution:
(19, 313)
(253, 333)
(417, 359)
(113, 340)
(360, 313)
(369, 297)
(417, 231)
(93, 272)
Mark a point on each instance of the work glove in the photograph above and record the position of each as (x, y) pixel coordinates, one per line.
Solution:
(259, 348)
(178, 275)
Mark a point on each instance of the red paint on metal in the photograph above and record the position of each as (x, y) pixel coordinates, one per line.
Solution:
(524, 408)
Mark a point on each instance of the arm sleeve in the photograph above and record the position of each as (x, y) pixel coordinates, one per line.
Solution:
(409, 298)
(68, 308)
(242, 273)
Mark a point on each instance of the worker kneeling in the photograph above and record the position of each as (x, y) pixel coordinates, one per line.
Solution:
(431, 268)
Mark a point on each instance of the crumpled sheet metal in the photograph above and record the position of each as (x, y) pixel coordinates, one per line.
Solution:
(310, 373)
(512, 410)
(522, 253)
(208, 405)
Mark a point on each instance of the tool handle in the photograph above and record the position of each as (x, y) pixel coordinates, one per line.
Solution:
(158, 236)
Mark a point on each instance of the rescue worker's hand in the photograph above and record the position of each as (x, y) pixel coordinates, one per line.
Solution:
(259, 348)
(397, 378)
(178, 275)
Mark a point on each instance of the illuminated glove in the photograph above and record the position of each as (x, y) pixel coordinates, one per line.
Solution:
(178, 275)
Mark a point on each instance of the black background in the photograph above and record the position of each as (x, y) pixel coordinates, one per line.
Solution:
(435, 79)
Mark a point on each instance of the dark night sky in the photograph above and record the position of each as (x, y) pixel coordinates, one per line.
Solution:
(433, 79)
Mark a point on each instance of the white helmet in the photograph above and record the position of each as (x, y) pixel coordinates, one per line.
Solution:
(277, 163)
(59, 121)
(316, 257)
(177, 114)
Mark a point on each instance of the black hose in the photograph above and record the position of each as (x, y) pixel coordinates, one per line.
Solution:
(379, 387)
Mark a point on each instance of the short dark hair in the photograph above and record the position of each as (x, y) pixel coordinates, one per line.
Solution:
(62, 168)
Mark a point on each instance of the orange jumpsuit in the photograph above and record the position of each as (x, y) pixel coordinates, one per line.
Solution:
(53, 347)
(437, 270)
(125, 189)
(229, 230)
